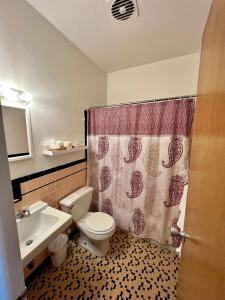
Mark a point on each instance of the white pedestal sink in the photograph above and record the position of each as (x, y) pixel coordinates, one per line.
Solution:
(39, 229)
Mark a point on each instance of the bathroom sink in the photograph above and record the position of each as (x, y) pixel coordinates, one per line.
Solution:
(39, 229)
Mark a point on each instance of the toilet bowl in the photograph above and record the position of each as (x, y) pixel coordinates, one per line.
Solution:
(96, 228)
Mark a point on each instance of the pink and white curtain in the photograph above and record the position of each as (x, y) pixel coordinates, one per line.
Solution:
(138, 164)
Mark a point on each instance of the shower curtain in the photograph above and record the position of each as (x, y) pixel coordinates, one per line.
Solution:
(138, 164)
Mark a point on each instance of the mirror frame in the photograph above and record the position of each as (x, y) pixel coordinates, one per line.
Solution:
(28, 126)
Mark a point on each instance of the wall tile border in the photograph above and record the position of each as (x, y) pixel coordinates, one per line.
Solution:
(53, 192)
(19, 189)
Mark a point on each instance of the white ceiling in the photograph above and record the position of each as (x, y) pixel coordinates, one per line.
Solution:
(164, 29)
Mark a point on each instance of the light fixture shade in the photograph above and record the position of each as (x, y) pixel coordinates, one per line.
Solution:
(25, 97)
(11, 94)
(7, 92)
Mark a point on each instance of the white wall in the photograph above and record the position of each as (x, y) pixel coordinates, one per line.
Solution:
(37, 58)
(167, 78)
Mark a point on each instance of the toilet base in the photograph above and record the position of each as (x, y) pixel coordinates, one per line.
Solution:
(99, 248)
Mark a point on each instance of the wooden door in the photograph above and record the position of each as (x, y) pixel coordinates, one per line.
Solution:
(202, 272)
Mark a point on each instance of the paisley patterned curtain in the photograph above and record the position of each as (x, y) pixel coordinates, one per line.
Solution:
(138, 164)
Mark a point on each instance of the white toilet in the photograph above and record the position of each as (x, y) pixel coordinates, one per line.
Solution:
(96, 228)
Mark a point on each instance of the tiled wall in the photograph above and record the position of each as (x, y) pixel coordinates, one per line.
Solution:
(51, 188)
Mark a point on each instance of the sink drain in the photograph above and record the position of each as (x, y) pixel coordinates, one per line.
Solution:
(29, 242)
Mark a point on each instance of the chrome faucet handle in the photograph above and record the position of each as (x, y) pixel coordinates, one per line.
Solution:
(22, 213)
(26, 212)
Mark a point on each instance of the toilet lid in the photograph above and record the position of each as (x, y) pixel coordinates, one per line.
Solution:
(99, 222)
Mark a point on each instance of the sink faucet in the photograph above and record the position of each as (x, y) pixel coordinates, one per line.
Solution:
(23, 213)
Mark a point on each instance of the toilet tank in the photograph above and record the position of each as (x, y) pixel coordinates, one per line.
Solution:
(77, 203)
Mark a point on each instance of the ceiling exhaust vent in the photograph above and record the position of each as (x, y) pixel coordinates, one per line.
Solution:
(122, 10)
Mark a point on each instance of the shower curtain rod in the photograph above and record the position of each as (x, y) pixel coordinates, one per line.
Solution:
(146, 101)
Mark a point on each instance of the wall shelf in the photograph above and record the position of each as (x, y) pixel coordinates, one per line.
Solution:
(65, 151)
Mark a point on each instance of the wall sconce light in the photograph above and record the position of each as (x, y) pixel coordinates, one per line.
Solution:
(11, 94)
(7, 92)
(25, 97)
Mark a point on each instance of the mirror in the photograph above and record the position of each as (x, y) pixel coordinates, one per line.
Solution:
(16, 120)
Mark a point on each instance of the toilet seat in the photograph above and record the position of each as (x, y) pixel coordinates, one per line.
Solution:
(99, 223)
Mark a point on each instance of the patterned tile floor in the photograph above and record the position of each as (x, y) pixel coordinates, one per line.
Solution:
(133, 269)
